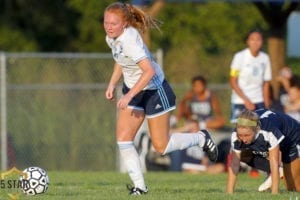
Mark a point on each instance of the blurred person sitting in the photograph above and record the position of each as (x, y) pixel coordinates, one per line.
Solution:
(284, 78)
(200, 109)
(292, 107)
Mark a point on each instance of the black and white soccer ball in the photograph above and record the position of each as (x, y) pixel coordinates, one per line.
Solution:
(36, 181)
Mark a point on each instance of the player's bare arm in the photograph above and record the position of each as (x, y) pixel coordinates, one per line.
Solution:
(233, 171)
(266, 93)
(116, 75)
(234, 85)
(274, 165)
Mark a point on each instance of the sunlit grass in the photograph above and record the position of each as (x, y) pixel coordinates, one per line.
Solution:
(162, 185)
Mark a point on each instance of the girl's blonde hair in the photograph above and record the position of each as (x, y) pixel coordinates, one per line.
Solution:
(134, 16)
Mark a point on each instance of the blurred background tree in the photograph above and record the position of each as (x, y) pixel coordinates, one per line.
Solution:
(49, 25)
(203, 37)
(196, 38)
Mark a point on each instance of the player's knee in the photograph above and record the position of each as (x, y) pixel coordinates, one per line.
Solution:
(125, 136)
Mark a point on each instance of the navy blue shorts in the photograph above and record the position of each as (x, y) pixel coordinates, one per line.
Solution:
(153, 102)
(290, 154)
(236, 109)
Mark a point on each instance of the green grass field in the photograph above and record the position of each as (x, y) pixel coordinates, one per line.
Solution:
(162, 185)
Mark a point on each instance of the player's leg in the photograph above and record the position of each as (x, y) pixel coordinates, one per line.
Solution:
(292, 175)
(128, 123)
(189, 126)
(260, 163)
(178, 157)
(158, 108)
(165, 143)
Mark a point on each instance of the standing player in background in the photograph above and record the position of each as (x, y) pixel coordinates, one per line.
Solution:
(250, 74)
(146, 93)
(266, 134)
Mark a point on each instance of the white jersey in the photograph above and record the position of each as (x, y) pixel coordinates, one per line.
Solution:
(128, 49)
(252, 72)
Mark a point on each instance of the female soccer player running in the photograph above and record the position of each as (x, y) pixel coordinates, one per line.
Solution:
(146, 93)
(265, 133)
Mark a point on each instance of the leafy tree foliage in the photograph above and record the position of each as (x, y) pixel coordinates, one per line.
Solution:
(14, 40)
(90, 30)
(51, 25)
(202, 37)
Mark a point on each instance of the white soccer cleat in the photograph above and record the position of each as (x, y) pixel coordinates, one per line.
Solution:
(136, 191)
(268, 182)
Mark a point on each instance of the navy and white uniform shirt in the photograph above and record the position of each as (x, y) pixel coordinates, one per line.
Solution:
(127, 50)
(275, 129)
(203, 109)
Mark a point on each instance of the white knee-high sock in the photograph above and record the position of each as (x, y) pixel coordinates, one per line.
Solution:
(179, 141)
(132, 162)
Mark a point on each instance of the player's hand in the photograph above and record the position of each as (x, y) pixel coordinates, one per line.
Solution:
(249, 105)
(124, 101)
(109, 94)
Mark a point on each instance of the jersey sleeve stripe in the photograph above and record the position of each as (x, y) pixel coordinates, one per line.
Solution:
(278, 142)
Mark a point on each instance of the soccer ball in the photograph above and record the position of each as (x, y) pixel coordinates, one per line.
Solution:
(36, 182)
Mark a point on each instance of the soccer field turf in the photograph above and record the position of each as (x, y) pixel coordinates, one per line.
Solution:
(162, 185)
